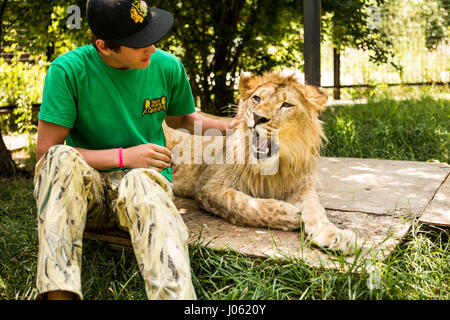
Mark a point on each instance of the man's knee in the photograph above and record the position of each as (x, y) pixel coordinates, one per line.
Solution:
(137, 187)
(59, 162)
(148, 180)
(62, 152)
(139, 192)
(59, 156)
(141, 180)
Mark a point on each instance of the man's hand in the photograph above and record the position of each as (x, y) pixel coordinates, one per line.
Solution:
(236, 120)
(147, 156)
(188, 122)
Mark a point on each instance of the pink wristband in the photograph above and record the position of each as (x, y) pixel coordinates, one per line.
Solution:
(120, 158)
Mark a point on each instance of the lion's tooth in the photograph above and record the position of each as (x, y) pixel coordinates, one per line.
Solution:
(263, 142)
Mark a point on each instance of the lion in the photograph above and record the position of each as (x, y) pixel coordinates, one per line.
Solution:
(279, 138)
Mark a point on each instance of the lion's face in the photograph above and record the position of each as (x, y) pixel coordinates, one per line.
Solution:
(277, 111)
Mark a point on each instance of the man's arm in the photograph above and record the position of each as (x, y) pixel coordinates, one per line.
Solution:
(141, 156)
(187, 122)
(49, 135)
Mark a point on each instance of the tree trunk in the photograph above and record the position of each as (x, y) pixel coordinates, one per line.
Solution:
(311, 51)
(223, 97)
(337, 74)
(2, 13)
(7, 166)
(227, 53)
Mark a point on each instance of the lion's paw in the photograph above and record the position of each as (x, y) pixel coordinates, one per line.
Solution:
(336, 239)
(348, 241)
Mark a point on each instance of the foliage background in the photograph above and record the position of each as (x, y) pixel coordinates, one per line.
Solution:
(380, 42)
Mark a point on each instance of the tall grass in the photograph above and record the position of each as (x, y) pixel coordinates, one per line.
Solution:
(417, 269)
(18, 239)
(416, 130)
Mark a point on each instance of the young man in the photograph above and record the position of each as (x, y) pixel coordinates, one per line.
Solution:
(107, 102)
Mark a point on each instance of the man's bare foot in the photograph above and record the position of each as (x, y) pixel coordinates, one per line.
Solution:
(61, 295)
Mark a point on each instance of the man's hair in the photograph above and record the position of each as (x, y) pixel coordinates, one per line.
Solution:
(109, 44)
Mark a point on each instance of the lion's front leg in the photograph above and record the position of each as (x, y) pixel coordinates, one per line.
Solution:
(317, 226)
(239, 208)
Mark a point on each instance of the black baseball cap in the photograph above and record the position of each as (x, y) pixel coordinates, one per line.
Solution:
(130, 23)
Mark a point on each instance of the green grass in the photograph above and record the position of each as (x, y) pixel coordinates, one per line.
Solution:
(419, 268)
(416, 130)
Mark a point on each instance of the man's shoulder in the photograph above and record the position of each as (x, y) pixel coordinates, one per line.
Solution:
(166, 59)
(74, 59)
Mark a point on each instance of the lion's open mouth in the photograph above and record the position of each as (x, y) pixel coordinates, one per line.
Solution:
(263, 147)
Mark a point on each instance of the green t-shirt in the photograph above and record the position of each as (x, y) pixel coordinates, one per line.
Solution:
(109, 108)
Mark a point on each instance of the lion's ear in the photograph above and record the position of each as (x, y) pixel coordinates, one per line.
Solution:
(317, 96)
(245, 84)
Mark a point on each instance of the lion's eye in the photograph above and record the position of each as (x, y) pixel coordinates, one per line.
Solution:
(286, 105)
(256, 99)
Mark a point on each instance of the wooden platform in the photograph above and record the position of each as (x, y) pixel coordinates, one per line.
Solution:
(379, 199)
(438, 211)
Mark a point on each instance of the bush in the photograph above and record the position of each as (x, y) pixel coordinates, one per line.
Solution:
(21, 85)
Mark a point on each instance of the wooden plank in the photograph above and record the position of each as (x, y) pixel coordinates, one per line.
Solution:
(438, 211)
(17, 142)
(10, 109)
(114, 236)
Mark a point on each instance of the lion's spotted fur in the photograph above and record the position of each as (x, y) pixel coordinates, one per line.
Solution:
(238, 191)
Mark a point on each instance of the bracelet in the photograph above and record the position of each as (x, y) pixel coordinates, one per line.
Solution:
(120, 158)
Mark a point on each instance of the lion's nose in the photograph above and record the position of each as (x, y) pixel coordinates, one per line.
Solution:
(259, 119)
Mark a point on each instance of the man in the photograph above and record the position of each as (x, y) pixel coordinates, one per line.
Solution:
(107, 102)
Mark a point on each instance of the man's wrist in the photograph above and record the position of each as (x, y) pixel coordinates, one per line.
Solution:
(229, 126)
(124, 158)
(120, 157)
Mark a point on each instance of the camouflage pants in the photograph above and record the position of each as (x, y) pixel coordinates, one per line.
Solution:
(71, 195)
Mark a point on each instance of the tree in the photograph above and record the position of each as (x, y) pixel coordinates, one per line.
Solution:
(219, 39)
(354, 23)
(7, 166)
(437, 22)
(37, 27)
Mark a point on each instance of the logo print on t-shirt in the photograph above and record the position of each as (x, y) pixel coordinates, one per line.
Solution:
(154, 105)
